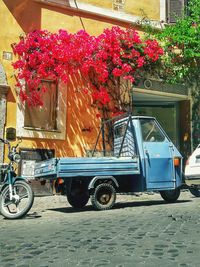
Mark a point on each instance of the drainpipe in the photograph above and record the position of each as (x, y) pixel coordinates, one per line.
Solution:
(3, 103)
(79, 16)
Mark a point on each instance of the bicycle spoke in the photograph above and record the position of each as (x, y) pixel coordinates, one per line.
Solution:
(8, 209)
(7, 204)
(23, 196)
(17, 208)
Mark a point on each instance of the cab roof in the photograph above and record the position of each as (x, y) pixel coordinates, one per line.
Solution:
(133, 118)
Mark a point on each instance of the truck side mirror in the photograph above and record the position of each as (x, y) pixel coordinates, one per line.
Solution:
(11, 134)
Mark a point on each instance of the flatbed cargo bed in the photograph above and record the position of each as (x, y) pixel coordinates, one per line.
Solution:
(88, 167)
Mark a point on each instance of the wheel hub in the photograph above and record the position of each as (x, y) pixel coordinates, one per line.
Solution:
(16, 199)
(105, 198)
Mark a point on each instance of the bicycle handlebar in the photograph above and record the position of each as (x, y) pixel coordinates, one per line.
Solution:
(4, 141)
(8, 143)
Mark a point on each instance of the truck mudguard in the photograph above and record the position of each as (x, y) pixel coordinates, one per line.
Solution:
(96, 178)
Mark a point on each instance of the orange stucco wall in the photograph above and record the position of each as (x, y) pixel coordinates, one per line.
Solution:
(21, 16)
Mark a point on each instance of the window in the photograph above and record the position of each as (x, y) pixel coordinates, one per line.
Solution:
(197, 158)
(44, 117)
(118, 5)
(124, 134)
(175, 8)
(120, 130)
(150, 131)
(48, 122)
(167, 114)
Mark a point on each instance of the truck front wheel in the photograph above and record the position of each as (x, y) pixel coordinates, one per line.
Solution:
(104, 197)
(170, 195)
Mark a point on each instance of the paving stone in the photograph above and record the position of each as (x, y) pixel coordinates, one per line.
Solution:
(138, 231)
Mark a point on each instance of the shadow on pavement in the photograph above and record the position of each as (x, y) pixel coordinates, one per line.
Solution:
(121, 205)
(33, 215)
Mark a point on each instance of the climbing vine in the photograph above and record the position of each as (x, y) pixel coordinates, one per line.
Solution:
(109, 63)
(181, 59)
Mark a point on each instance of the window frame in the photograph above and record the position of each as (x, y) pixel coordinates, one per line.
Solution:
(29, 132)
(172, 13)
(157, 126)
(56, 111)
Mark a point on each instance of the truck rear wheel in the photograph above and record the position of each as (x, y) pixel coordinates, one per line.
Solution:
(170, 195)
(78, 200)
(104, 197)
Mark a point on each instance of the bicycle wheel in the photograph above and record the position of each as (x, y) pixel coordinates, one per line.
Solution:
(20, 204)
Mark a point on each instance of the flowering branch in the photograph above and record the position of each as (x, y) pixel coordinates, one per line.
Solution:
(104, 61)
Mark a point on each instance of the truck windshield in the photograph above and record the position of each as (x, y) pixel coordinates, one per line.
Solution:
(150, 131)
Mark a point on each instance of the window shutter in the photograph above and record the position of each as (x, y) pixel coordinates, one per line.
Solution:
(175, 8)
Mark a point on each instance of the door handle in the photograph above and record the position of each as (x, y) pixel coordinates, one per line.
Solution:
(147, 155)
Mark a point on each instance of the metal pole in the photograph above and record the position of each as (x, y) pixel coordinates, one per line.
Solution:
(103, 137)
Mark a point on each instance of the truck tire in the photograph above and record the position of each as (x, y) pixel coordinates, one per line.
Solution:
(104, 197)
(78, 201)
(170, 196)
(195, 191)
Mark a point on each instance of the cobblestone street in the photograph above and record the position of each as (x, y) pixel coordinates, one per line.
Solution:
(138, 231)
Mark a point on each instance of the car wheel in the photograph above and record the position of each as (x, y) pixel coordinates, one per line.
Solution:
(195, 191)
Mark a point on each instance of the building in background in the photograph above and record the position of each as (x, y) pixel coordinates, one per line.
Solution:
(65, 127)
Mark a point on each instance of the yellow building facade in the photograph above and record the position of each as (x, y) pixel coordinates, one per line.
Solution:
(77, 131)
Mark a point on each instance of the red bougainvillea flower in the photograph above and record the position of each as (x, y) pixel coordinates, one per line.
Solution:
(98, 115)
(116, 53)
(85, 91)
(101, 96)
(153, 50)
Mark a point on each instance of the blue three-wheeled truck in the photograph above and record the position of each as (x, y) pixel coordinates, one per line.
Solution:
(141, 158)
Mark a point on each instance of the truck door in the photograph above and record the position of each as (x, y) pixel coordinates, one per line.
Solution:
(159, 170)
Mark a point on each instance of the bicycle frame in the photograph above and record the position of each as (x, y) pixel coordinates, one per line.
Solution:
(10, 180)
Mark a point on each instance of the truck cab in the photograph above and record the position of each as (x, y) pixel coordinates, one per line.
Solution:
(161, 162)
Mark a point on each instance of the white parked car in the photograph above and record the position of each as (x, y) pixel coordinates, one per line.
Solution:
(192, 172)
